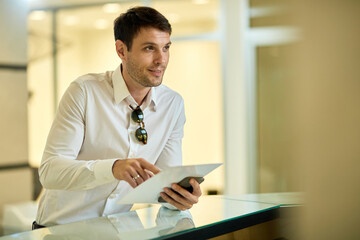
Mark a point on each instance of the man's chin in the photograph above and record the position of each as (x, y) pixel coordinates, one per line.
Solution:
(154, 83)
(157, 84)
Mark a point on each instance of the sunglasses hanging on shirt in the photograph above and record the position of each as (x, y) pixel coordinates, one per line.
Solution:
(138, 116)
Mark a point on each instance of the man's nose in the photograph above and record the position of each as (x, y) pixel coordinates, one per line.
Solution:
(161, 57)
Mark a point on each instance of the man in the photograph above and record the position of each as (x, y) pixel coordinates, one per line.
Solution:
(99, 147)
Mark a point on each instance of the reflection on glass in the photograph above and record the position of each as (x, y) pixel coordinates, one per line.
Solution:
(137, 224)
(155, 221)
(178, 221)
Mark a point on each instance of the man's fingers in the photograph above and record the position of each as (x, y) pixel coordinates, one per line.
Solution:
(139, 174)
(196, 187)
(180, 197)
(170, 199)
(148, 166)
(134, 171)
(128, 178)
(183, 200)
(149, 173)
(188, 196)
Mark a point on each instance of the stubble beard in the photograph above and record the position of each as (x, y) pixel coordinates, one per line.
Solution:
(140, 77)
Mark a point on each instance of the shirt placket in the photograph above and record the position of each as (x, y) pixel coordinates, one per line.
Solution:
(132, 153)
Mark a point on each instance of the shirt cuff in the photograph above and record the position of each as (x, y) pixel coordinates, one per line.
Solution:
(103, 170)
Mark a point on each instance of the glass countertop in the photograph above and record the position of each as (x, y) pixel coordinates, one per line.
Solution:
(153, 222)
(281, 198)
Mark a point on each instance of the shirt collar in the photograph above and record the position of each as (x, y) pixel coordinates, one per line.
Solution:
(121, 91)
(150, 99)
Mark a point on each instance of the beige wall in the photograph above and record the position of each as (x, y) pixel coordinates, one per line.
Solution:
(312, 116)
(275, 116)
(326, 97)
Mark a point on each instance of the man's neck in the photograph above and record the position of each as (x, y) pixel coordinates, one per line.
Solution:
(139, 95)
(137, 91)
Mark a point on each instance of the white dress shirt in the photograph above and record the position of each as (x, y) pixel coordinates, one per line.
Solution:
(91, 130)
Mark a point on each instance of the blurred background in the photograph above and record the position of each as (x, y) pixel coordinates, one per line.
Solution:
(271, 90)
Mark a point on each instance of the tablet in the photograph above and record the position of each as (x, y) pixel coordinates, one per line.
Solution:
(149, 191)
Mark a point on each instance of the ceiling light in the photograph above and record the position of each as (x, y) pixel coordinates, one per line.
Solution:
(111, 8)
(200, 2)
(37, 15)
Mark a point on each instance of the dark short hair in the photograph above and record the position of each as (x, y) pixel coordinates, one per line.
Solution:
(128, 24)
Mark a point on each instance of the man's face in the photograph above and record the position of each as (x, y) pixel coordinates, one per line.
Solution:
(147, 60)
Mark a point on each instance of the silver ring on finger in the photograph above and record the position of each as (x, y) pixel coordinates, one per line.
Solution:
(136, 177)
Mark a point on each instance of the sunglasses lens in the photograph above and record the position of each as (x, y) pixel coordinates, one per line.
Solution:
(141, 135)
(137, 115)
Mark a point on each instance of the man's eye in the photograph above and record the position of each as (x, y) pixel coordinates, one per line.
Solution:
(150, 48)
(166, 48)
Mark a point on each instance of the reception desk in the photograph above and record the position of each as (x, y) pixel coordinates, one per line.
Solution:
(212, 217)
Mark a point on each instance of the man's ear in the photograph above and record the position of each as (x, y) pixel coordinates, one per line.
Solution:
(120, 49)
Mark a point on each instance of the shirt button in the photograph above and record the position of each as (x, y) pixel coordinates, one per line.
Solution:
(112, 196)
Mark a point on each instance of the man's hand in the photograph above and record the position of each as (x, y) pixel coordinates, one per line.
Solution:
(134, 171)
(186, 199)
